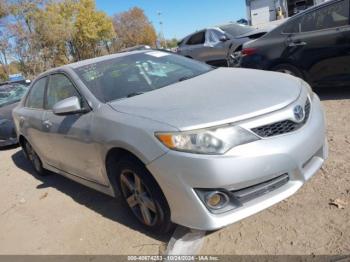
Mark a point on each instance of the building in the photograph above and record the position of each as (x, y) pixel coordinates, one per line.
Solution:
(260, 12)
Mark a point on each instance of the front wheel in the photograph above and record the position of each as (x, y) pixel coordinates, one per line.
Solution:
(143, 196)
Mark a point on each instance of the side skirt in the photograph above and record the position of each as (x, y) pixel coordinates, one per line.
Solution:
(108, 190)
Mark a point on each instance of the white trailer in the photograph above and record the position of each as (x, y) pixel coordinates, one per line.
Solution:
(260, 12)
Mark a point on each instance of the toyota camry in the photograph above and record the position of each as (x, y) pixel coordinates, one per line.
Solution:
(180, 141)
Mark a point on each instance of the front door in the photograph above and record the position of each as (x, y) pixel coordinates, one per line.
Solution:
(214, 50)
(195, 46)
(70, 135)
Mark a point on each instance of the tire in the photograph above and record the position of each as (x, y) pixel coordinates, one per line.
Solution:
(288, 69)
(33, 157)
(142, 195)
(234, 58)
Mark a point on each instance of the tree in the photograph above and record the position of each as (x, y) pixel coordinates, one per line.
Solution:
(171, 43)
(3, 9)
(50, 33)
(27, 49)
(133, 28)
(92, 28)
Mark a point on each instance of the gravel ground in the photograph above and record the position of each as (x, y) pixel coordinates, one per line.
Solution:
(53, 215)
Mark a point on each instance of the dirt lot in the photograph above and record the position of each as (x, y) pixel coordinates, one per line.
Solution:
(53, 215)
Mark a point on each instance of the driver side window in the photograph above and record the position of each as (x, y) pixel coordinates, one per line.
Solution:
(59, 88)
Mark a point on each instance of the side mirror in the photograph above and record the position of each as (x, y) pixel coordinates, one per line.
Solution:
(223, 38)
(68, 106)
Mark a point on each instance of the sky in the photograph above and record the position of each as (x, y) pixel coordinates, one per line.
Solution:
(180, 17)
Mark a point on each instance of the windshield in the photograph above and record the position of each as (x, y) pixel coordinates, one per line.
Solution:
(236, 29)
(11, 93)
(135, 74)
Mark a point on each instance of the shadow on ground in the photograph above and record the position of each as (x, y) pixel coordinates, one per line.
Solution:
(105, 205)
(333, 93)
(4, 148)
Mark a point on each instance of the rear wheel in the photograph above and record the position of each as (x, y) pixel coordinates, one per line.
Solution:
(234, 58)
(288, 69)
(34, 159)
(142, 195)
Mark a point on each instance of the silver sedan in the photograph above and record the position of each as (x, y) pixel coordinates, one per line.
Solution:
(180, 141)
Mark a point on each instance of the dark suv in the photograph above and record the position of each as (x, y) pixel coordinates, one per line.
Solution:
(313, 45)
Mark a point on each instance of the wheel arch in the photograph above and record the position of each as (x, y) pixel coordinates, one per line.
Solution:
(280, 61)
(21, 140)
(111, 160)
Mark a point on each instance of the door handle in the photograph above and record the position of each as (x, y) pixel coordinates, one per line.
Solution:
(297, 43)
(47, 124)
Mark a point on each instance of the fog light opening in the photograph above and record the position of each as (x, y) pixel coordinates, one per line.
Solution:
(216, 200)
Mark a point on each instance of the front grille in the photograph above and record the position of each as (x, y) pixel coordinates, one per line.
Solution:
(249, 193)
(282, 127)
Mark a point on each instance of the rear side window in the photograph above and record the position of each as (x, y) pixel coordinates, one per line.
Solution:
(35, 98)
(59, 88)
(331, 16)
(197, 39)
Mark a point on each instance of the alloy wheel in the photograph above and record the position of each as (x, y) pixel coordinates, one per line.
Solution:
(234, 59)
(138, 198)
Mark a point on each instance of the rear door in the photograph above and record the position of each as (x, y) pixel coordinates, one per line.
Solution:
(195, 45)
(30, 118)
(321, 46)
(70, 135)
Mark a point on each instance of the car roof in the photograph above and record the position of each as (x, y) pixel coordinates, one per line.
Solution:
(92, 61)
(294, 17)
(216, 27)
(310, 9)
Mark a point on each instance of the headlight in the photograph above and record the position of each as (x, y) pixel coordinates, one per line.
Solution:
(308, 88)
(217, 140)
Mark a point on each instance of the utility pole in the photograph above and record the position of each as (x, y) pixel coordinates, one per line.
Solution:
(161, 28)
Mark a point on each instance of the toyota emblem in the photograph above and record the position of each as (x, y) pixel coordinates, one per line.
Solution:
(299, 113)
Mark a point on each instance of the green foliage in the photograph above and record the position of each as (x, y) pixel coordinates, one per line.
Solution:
(171, 43)
(91, 27)
(3, 9)
(50, 33)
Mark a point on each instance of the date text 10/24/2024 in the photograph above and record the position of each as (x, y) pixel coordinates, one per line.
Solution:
(173, 258)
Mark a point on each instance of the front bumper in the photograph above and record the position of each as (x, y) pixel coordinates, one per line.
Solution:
(300, 154)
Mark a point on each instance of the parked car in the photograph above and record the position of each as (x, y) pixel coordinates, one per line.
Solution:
(175, 137)
(313, 45)
(135, 48)
(219, 46)
(25, 82)
(10, 95)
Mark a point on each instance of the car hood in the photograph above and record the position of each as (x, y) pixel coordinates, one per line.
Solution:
(223, 95)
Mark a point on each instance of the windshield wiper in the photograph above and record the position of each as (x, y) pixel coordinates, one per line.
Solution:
(184, 78)
(135, 94)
